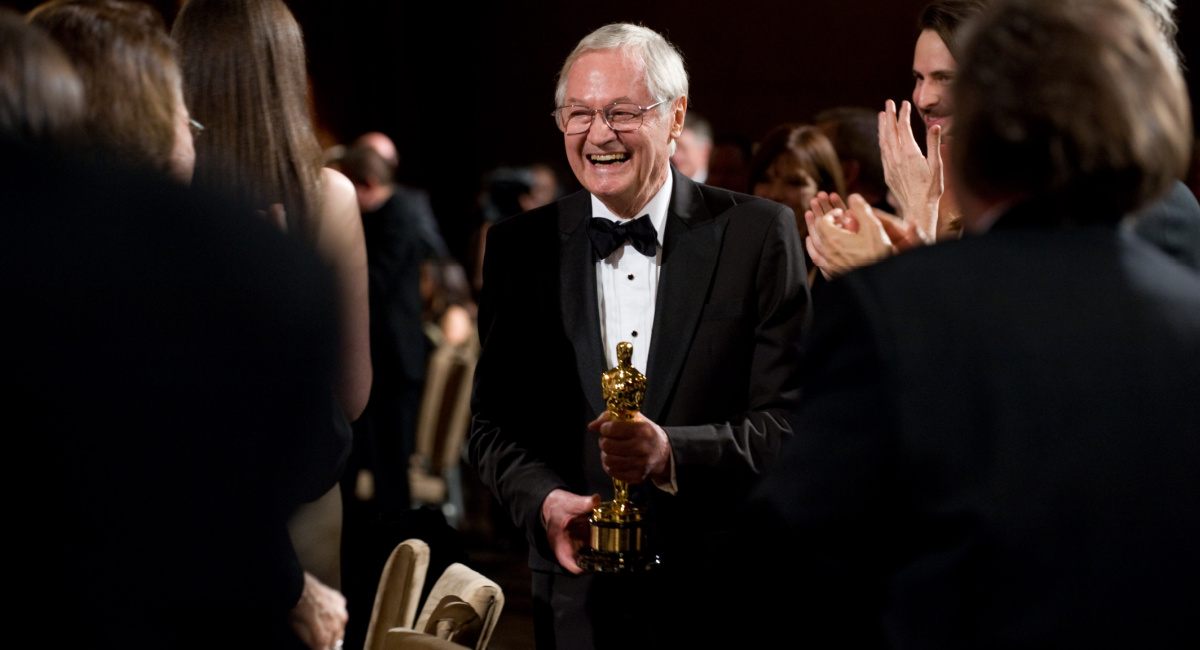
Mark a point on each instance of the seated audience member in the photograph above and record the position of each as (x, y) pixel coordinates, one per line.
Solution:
(693, 148)
(41, 97)
(999, 448)
(793, 163)
(135, 108)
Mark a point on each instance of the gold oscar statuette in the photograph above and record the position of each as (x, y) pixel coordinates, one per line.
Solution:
(618, 543)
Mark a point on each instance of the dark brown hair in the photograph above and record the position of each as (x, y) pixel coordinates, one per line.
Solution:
(130, 75)
(41, 97)
(945, 17)
(810, 149)
(245, 80)
(1076, 104)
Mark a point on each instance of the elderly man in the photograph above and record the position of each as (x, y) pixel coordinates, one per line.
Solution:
(709, 287)
(1009, 459)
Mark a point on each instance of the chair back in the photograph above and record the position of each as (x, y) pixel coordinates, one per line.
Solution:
(398, 592)
(466, 585)
(443, 419)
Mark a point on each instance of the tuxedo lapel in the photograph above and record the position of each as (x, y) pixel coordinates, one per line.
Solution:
(577, 296)
(691, 246)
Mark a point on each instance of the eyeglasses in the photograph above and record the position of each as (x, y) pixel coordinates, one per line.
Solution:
(619, 116)
(196, 127)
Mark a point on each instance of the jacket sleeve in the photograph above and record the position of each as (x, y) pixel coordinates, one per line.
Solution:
(745, 446)
(505, 444)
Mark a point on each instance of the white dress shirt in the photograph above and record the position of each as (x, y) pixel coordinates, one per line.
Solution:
(627, 284)
(627, 287)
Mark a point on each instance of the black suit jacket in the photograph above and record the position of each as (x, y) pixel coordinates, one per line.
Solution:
(165, 374)
(998, 448)
(722, 364)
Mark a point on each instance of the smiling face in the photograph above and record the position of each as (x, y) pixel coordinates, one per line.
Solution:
(933, 69)
(624, 170)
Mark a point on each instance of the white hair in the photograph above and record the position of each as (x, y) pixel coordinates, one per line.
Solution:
(661, 63)
(1163, 12)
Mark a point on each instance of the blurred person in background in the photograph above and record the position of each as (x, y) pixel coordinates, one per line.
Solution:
(792, 164)
(693, 148)
(377, 185)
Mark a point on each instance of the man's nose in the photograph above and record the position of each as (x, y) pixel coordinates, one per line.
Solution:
(924, 96)
(600, 132)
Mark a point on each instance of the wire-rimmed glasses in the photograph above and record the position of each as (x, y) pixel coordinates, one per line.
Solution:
(619, 116)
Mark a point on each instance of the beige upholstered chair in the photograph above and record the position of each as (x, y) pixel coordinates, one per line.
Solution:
(399, 591)
(448, 614)
(442, 424)
(409, 640)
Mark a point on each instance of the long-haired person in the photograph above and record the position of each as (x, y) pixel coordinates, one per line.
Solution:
(130, 73)
(245, 81)
(244, 78)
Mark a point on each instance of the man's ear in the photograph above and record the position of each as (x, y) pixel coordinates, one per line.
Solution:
(678, 112)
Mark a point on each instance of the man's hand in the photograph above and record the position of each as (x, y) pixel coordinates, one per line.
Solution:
(565, 517)
(916, 182)
(319, 619)
(633, 450)
(841, 239)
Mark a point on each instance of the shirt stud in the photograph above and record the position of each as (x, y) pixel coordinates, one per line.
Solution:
(630, 276)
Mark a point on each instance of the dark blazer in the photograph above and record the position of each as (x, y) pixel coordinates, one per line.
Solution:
(722, 379)
(999, 444)
(165, 373)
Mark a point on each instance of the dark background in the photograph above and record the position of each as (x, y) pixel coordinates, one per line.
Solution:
(464, 88)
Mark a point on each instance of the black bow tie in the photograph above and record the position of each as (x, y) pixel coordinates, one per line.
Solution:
(607, 236)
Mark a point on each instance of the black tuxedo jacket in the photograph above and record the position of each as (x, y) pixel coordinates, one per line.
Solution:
(722, 370)
(998, 448)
